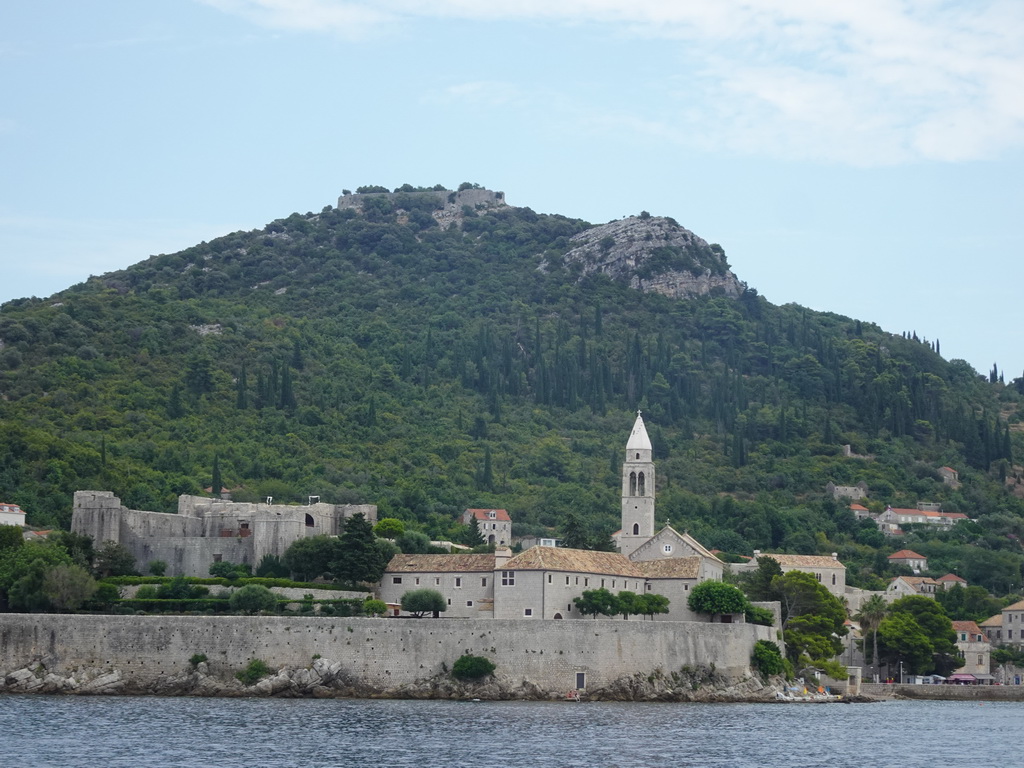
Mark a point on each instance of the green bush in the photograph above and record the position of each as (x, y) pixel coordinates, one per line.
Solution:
(758, 615)
(197, 659)
(252, 598)
(717, 597)
(472, 667)
(256, 670)
(767, 659)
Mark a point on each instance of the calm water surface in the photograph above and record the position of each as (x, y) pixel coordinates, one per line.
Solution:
(116, 732)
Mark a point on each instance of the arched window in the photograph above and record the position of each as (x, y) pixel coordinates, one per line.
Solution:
(638, 456)
(309, 521)
(636, 529)
(632, 483)
(558, 615)
(640, 485)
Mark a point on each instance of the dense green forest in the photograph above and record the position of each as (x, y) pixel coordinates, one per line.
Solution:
(370, 356)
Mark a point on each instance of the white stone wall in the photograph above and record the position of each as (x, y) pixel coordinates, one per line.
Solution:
(458, 589)
(381, 652)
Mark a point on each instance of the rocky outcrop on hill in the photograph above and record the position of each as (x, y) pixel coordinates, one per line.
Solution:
(654, 255)
(328, 679)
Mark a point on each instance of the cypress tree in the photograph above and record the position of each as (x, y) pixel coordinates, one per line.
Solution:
(217, 483)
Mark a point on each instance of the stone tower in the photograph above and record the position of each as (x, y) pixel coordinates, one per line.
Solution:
(637, 490)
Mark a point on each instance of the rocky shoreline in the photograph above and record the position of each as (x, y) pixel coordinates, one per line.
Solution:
(327, 679)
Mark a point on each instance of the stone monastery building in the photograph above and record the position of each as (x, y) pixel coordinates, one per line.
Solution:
(541, 582)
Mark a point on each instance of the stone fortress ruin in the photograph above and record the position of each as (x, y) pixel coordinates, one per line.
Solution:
(205, 530)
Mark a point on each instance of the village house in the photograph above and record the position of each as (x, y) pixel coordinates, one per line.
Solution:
(1006, 627)
(951, 580)
(11, 514)
(904, 586)
(950, 476)
(827, 570)
(976, 649)
(909, 558)
(494, 525)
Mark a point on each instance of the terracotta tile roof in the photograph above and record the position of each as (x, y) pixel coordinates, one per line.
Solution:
(954, 515)
(921, 512)
(967, 626)
(573, 560)
(671, 568)
(484, 514)
(993, 621)
(1018, 606)
(952, 577)
(915, 580)
(858, 508)
(440, 563)
(905, 554)
(802, 561)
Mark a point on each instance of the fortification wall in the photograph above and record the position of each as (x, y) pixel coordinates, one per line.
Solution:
(383, 653)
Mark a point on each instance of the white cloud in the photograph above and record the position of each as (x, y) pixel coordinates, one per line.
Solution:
(866, 83)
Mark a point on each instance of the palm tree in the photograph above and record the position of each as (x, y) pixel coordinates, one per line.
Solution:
(871, 614)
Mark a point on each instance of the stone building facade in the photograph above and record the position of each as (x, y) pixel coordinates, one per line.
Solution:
(206, 531)
(541, 582)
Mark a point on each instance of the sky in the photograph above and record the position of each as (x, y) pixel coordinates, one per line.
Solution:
(860, 158)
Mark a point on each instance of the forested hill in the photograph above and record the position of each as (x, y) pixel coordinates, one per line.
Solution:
(365, 354)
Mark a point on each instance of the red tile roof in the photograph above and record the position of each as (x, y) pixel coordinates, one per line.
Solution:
(952, 577)
(440, 563)
(906, 554)
(484, 514)
(574, 560)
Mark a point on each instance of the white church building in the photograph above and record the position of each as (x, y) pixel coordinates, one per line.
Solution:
(541, 582)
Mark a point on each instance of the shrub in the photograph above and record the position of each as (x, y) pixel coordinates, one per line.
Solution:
(758, 615)
(253, 598)
(420, 602)
(374, 607)
(472, 667)
(157, 568)
(717, 597)
(256, 670)
(767, 659)
(197, 659)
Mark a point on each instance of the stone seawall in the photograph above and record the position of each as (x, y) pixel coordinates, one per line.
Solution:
(380, 655)
(945, 692)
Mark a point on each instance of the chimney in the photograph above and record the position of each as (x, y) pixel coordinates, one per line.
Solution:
(501, 556)
(835, 555)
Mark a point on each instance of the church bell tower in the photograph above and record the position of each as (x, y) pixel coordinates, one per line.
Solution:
(637, 490)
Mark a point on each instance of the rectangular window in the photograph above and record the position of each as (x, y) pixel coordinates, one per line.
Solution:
(437, 581)
(508, 578)
(833, 579)
(581, 681)
(602, 583)
(483, 581)
(1009, 634)
(469, 603)
(817, 576)
(449, 601)
(549, 578)
(396, 579)
(613, 583)
(567, 581)
(568, 607)
(458, 582)
(528, 612)
(981, 658)
(417, 581)
(577, 581)
(586, 582)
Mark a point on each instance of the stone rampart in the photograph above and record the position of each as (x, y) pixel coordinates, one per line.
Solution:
(383, 654)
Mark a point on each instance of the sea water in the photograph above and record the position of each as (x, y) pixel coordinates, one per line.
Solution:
(145, 732)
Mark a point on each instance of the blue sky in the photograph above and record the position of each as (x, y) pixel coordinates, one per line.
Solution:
(865, 160)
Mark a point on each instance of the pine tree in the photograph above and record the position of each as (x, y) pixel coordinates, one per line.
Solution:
(359, 559)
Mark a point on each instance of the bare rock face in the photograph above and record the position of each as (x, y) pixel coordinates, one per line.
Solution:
(654, 255)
